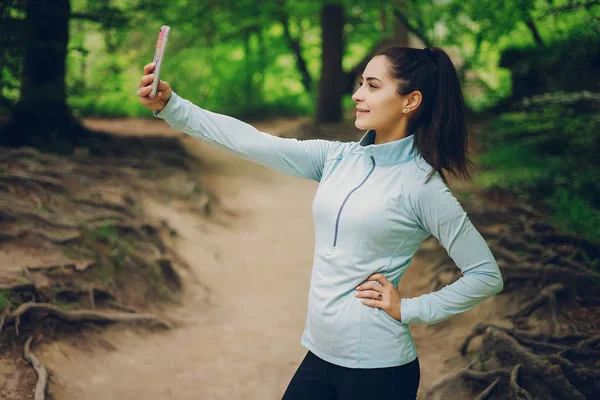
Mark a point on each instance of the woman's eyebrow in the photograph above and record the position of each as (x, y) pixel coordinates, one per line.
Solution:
(371, 78)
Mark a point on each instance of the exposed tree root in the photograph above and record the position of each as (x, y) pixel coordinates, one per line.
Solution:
(17, 286)
(55, 237)
(580, 376)
(506, 347)
(40, 387)
(18, 154)
(554, 258)
(107, 206)
(470, 374)
(526, 338)
(548, 375)
(584, 281)
(489, 390)
(85, 315)
(79, 266)
(8, 210)
(443, 271)
(590, 247)
(589, 343)
(546, 296)
(561, 376)
(27, 179)
(519, 392)
(515, 243)
(508, 255)
(540, 368)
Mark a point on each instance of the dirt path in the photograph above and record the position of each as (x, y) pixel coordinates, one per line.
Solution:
(242, 339)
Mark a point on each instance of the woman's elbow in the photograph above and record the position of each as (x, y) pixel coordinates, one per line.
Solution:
(498, 281)
(492, 279)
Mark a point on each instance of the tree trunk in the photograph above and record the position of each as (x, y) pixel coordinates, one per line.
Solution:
(331, 85)
(41, 117)
(400, 32)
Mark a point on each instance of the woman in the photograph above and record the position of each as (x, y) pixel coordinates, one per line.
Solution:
(377, 200)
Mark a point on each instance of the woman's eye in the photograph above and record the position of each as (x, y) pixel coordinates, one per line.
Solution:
(371, 85)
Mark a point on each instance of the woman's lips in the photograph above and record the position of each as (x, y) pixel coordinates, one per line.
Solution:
(361, 112)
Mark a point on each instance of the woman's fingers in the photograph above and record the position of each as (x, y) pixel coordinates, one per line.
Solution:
(372, 290)
(369, 294)
(163, 86)
(149, 68)
(146, 80)
(145, 92)
(379, 278)
(373, 285)
(373, 303)
(152, 104)
(147, 89)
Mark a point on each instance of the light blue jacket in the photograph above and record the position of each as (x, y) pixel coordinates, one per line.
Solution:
(371, 212)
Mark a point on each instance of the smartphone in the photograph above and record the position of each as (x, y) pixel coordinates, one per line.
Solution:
(161, 44)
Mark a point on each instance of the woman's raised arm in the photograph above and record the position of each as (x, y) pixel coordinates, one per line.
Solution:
(302, 158)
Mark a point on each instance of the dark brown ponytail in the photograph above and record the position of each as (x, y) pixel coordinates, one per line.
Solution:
(439, 122)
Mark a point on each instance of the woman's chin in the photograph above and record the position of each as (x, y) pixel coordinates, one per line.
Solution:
(360, 125)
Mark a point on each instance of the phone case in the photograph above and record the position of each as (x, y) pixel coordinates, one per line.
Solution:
(161, 44)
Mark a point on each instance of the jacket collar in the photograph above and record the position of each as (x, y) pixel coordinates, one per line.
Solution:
(395, 152)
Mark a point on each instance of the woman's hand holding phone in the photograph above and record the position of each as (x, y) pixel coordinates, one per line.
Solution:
(164, 90)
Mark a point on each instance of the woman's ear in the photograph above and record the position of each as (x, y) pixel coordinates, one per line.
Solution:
(414, 100)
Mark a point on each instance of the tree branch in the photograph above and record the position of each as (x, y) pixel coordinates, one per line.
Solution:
(568, 8)
(411, 28)
(534, 31)
(295, 47)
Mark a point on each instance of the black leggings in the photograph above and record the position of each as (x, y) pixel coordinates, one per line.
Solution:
(317, 379)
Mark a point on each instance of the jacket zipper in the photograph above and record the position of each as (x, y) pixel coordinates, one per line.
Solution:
(337, 221)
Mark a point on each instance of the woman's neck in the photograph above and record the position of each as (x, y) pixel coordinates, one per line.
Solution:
(397, 132)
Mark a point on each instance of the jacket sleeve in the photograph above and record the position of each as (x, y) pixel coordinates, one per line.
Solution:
(439, 212)
(302, 158)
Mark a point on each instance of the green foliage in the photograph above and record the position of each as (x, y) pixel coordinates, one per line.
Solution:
(549, 153)
(481, 30)
(246, 66)
(574, 214)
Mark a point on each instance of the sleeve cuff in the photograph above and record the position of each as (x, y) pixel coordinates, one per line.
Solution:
(170, 111)
(409, 311)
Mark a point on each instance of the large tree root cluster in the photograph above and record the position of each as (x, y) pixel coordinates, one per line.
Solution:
(111, 260)
(552, 351)
(539, 366)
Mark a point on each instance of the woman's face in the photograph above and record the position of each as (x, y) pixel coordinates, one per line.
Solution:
(377, 94)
